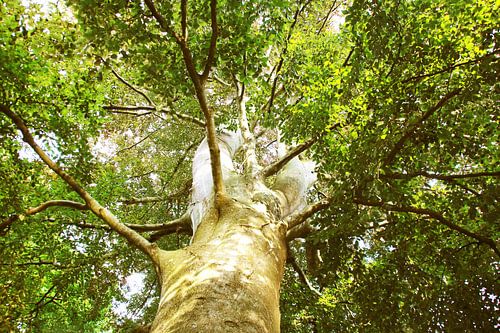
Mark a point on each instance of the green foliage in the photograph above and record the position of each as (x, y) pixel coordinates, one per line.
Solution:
(403, 97)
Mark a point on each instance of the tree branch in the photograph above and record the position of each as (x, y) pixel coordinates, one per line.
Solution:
(439, 176)
(100, 211)
(297, 218)
(199, 87)
(213, 41)
(284, 52)
(251, 164)
(333, 8)
(181, 225)
(32, 211)
(452, 67)
(129, 109)
(430, 213)
(275, 167)
(399, 145)
(184, 31)
(125, 82)
(302, 276)
(161, 20)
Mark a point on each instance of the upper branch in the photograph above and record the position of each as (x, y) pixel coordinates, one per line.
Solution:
(161, 20)
(199, 87)
(399, 145)
(213, 40)
(435, 215)
(284, 52)
(100, 211)
(452, 67)
(279, 164)
(184, 19)
(32, 211)
(130, 110)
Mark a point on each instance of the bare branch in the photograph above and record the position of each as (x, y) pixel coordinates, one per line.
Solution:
(213, 41)
(279, 164)
(411, 130)
(162, 21)
(129, 109)
(32, 211)
(184, 19)
(297, 218)
(100, 211)
(430, 213)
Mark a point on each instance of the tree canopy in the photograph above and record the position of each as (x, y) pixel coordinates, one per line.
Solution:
(396, 102)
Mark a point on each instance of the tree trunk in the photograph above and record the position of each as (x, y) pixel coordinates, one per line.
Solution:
(228, 279)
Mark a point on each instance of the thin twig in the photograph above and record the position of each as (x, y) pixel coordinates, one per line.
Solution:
(32, 211)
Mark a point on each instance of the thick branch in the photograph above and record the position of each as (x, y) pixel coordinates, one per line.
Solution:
(183, 223)
(430, 213)
(184, 19)
(275, 167)
(199, 86)
(32, 211)
(297, 218)
(100, 211)
(251, 163)
(302, 276)
(301, 230)
(399, 145)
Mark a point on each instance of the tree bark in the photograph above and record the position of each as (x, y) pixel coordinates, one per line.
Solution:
(228, 279)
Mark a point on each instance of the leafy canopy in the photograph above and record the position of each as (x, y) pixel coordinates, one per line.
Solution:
(402, 96)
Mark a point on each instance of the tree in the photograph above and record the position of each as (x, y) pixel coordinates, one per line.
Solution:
(362, 153)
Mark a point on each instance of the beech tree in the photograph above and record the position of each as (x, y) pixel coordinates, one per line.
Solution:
(294, 166)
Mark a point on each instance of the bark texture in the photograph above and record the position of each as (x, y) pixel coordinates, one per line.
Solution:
(228, 279)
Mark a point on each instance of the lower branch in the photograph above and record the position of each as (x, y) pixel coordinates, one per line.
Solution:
(439, 176)
(132, 236)
(299, 217)
(430, 213)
